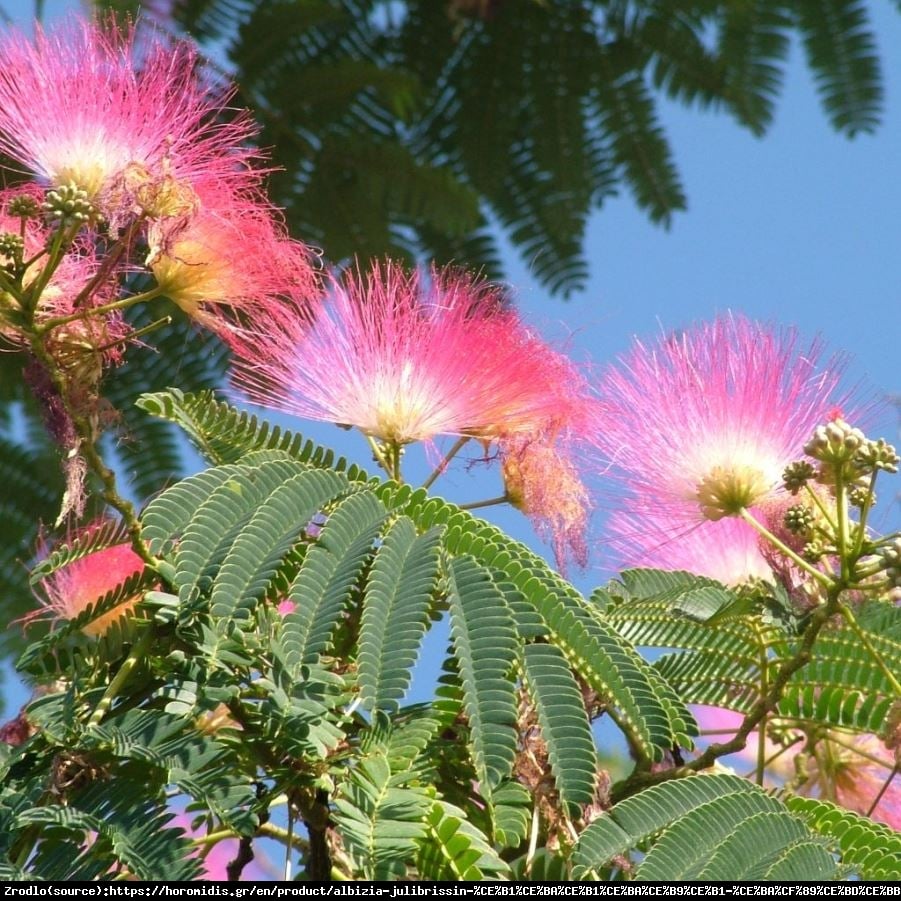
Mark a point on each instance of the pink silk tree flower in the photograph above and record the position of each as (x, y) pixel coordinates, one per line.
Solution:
(700, 426)
(727, 550)
(80, 105)
(854, 771)
(78, 585)
(231, 256)
(405, 358)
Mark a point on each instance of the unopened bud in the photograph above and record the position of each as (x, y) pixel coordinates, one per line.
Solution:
(835, 443)
(11, 246)
(876, 455)
(813, 551)
(799, 520)
(69, 203)
(23, 207)
(796, 475)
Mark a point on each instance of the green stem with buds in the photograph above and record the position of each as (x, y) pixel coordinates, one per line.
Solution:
(783, 548)
(123, 304)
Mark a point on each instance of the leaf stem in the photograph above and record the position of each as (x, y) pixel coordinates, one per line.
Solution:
(491, 502)
(442, 466)
(783, 548)
(131, 661)
(816, 622)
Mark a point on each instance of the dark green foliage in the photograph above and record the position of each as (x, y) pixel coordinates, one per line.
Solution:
(405, 128)
(705, 827)
(218, 691)
(871, 850)
(398, 595)
(730, 641)
(564, 725)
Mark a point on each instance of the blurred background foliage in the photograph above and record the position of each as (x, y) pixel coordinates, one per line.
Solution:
(429, 128)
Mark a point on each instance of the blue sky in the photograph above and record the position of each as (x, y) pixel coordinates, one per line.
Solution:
(799, 228)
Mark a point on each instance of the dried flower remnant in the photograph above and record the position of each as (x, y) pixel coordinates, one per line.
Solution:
(81, 106)
(406, 360)
(543, 482)
(700, 426)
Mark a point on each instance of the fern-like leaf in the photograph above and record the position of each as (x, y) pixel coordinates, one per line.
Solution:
(328, 575)
(485, 643)
(395, 615)
(564, 724)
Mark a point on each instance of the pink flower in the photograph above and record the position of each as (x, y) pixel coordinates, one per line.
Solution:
(849, 770)
(405, 359)
(852, 770)
(77, 106)
(231, 255)
(727, 550)
(701, 426)
(72, 342)
(80, 584)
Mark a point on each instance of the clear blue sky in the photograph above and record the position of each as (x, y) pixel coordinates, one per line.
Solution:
(801, 227)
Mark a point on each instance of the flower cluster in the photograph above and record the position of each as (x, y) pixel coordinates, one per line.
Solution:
(141, 184)
(699, 428)
(407, 357)
(78, 585)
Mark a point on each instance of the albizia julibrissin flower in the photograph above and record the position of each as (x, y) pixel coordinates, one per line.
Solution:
(853, 771)
(701, 425)
(79, 105)
(405, 358)
(232, 256)
(727, 550)
(80, 584)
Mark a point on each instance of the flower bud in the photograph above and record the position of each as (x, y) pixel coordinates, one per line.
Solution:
(796, 475)
(835, 443)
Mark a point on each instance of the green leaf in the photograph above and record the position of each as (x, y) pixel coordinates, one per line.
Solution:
(328, 575)
(395, 614)
(631, 821)
(841, 51)
(380, 820)
(871, 850)
(223, 434)
(219, 518)
(486, 644)
(275, 526)
(564, 723)
(686, 847)
(453, 850)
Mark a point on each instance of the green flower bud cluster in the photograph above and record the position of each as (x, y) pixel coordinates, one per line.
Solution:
(69, 203)
(890, 555)
(12, 247)
(799, 520)
(814, 550)
(23, 207)
(877, 455)
(796, 475)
